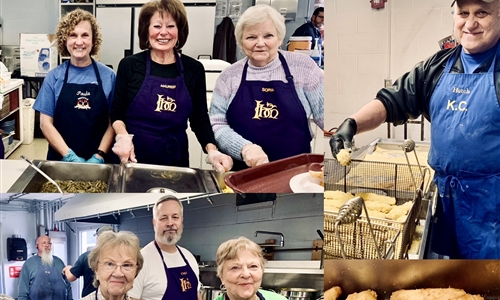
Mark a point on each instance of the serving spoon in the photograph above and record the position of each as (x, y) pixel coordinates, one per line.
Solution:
(42, 172)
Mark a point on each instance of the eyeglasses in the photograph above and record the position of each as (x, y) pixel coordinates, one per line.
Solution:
(46, 243)
(110, 266)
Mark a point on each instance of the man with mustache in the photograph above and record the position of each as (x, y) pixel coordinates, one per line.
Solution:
(41, 277)
(169, 271)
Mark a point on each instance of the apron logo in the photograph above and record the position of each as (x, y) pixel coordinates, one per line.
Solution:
(185, 284)
(167, 86)
(268, 90)
(82, 103)
(167, 105)
(461, 91)
(268, 111)
(462, 105)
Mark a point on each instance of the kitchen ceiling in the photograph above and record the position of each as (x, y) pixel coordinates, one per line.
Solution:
(28, 201)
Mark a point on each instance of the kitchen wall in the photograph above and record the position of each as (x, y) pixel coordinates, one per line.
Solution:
(26, 16)
(22, 224)
(364, 46)
(297, 216)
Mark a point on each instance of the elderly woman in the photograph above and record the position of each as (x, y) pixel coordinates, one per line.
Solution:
(261, 105)
(75, 97)
(240, 267)
(115, 261)
(158, 91)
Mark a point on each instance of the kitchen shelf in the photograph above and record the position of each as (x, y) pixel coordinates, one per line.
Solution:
(12, 147)
(13, 89)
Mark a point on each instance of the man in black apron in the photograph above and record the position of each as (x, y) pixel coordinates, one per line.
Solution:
(169, 271)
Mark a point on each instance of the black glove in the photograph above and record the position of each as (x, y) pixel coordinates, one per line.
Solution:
(343, 136)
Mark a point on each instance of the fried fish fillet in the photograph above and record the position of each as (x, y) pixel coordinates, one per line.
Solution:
(434, 294)
(378, 198)
(399, 210)
(379, 206)
(333, 293)
(338, 195)
(364, 295)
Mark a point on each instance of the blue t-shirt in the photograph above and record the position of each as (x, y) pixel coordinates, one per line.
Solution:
(53, 83)
(82, 268)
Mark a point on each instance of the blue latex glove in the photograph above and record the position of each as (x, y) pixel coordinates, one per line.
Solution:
(95, 160)
(72, 157)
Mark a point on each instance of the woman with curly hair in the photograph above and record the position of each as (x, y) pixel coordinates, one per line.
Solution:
(76, 96)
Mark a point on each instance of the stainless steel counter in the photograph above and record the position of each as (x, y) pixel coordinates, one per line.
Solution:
(130, 178)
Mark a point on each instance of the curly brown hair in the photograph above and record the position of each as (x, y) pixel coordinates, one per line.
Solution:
(68, 24)
(175, 8)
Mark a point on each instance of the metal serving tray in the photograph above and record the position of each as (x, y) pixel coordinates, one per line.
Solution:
(385, 277)
(141, 178)
(31, 181)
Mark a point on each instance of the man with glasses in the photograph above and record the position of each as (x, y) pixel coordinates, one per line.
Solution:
(82, 268)
(169, 271)
(312, 28)
(41, 277)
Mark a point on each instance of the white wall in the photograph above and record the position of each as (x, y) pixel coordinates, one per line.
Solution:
(365, 46)
(19, 223)
(27, 16)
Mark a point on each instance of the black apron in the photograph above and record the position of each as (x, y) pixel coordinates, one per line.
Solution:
(81, 116)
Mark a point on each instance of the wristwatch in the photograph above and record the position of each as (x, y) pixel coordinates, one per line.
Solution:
(101, 153)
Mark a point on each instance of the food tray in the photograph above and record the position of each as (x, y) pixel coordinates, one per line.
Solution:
(393, 237)
(385, 277)
(273, 177)
(140, 178)
(31, 181)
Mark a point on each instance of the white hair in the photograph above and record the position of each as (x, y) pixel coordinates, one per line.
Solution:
(259, 14)
(164, 199)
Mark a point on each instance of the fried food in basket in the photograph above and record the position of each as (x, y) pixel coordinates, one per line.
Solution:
(399, 211)
(333, 293)
(377, 198)
(434, 294)
(364, 295)
(335, 199)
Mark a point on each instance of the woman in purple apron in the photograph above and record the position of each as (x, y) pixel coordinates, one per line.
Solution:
(261, 105)
(75, 97)
(158, 91)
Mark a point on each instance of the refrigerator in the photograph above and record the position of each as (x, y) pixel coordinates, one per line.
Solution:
(119, 21)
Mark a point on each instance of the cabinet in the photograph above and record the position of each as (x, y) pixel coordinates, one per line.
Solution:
(66, 6)
(11, 97)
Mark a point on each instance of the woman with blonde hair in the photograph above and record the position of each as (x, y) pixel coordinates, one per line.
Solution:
(75, 97)
(262, 104)
(115, 261)
(240, 267)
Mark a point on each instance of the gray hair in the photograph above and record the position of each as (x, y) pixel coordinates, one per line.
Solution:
(259, 14)
(231, 248)
(164, 199)
(113, 240)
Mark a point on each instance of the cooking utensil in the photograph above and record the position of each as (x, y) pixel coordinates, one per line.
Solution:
(161, 190)
(42, 173)
(299, 293)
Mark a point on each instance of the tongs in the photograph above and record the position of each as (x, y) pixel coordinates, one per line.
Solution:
(42, 172)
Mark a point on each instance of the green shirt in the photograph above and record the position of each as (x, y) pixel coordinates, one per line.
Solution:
(267, 295)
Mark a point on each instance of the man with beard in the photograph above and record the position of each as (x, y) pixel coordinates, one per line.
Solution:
(41, 277)
(169, 271)
(312, 27)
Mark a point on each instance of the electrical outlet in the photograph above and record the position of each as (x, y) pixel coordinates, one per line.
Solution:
(387, 82)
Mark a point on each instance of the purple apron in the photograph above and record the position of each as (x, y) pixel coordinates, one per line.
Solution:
(181, 281)
(48, 284)
(157, 117)
(270, 114)
(465, 148)
(81, 116)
